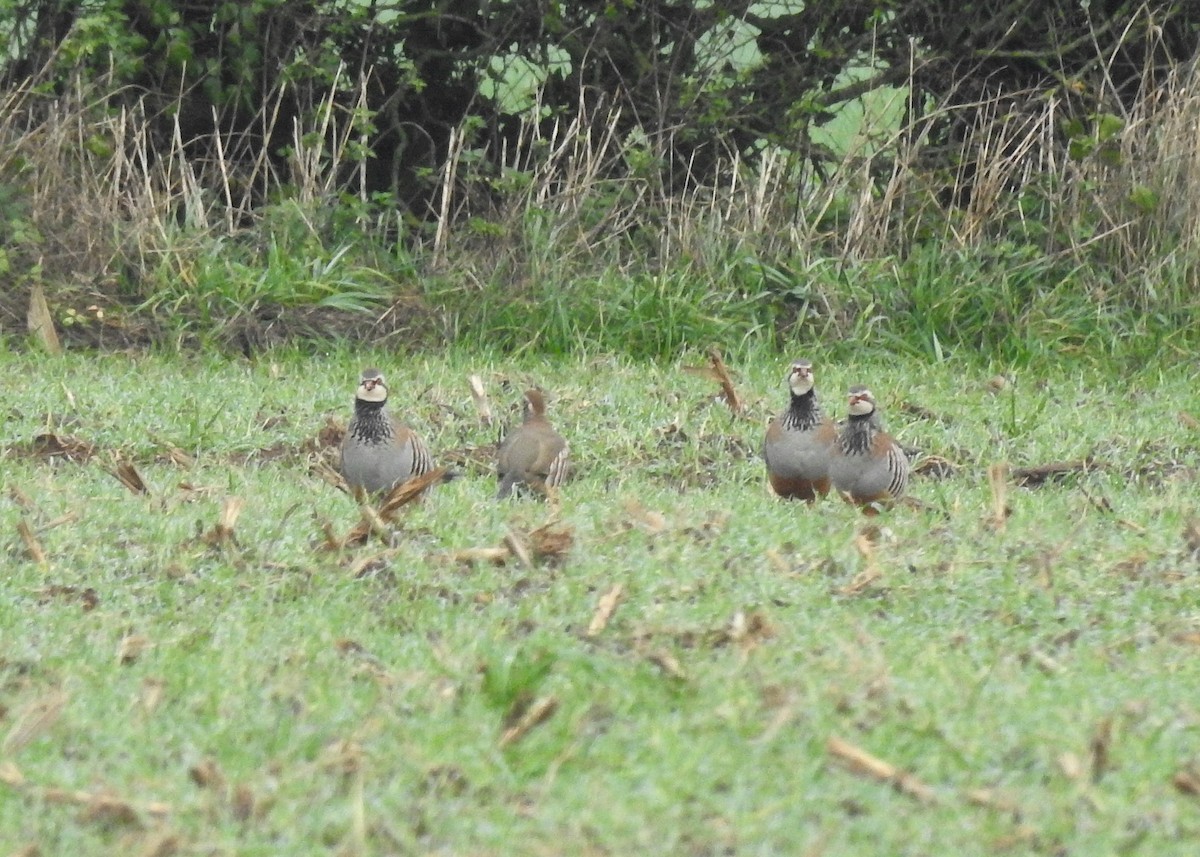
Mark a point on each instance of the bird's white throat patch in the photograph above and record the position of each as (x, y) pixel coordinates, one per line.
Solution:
(800, 384)
(372, 392)
(861, 407)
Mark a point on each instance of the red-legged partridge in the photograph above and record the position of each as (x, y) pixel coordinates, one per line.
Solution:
(378, 451)
(799, 441)
(868, 467)
(533, 454)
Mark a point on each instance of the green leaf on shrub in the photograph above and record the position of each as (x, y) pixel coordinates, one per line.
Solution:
(1074, 129)
(1144, 199)
(1080, 147)
(179, 50)
(1109, 126)
(98, 146)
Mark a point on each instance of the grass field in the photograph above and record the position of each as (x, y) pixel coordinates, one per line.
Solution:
(983, 675)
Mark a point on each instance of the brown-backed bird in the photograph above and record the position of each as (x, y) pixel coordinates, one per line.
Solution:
(533, 454)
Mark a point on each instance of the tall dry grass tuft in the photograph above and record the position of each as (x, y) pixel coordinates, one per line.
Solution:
(111, 213)
(561, 196)
(54, 165)
(1003, 155)
(1147, 200)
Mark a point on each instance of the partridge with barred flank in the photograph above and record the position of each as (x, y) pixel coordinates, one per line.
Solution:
(867, 466)
(378, 451)
(799, 441)
(533, 454)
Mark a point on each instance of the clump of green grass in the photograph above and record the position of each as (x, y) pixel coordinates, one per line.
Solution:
(643, 315)
(225, 281)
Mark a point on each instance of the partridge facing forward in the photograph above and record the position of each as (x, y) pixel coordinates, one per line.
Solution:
(799, 441)
(868, 467)
(378, 451)
(533, 454)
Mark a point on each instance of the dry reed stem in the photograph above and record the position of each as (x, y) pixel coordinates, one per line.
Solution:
(479, 396)
(605, 609)
(998, 482)
(33, 720)
(862, 763)
(40, 321)
(728, 391)
(33, 545)
(127, 474)
(222, 531)
(537, 713)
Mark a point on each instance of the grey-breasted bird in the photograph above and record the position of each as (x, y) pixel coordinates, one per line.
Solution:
(379, 451)
(868, 467)
(799, 442)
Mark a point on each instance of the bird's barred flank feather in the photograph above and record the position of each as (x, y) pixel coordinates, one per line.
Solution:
(558, 467)
(898, 468)
(422, 458)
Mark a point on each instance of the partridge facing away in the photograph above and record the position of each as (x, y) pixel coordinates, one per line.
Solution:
(532, 454)
(378, 451)
(799, 441)
(868, 467)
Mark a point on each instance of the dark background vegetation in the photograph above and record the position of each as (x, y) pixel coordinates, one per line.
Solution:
(637, 176)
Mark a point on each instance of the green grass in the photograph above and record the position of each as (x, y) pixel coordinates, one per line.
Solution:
(292, 700)
(204, 289)
(641, 315)
(1009, 303)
